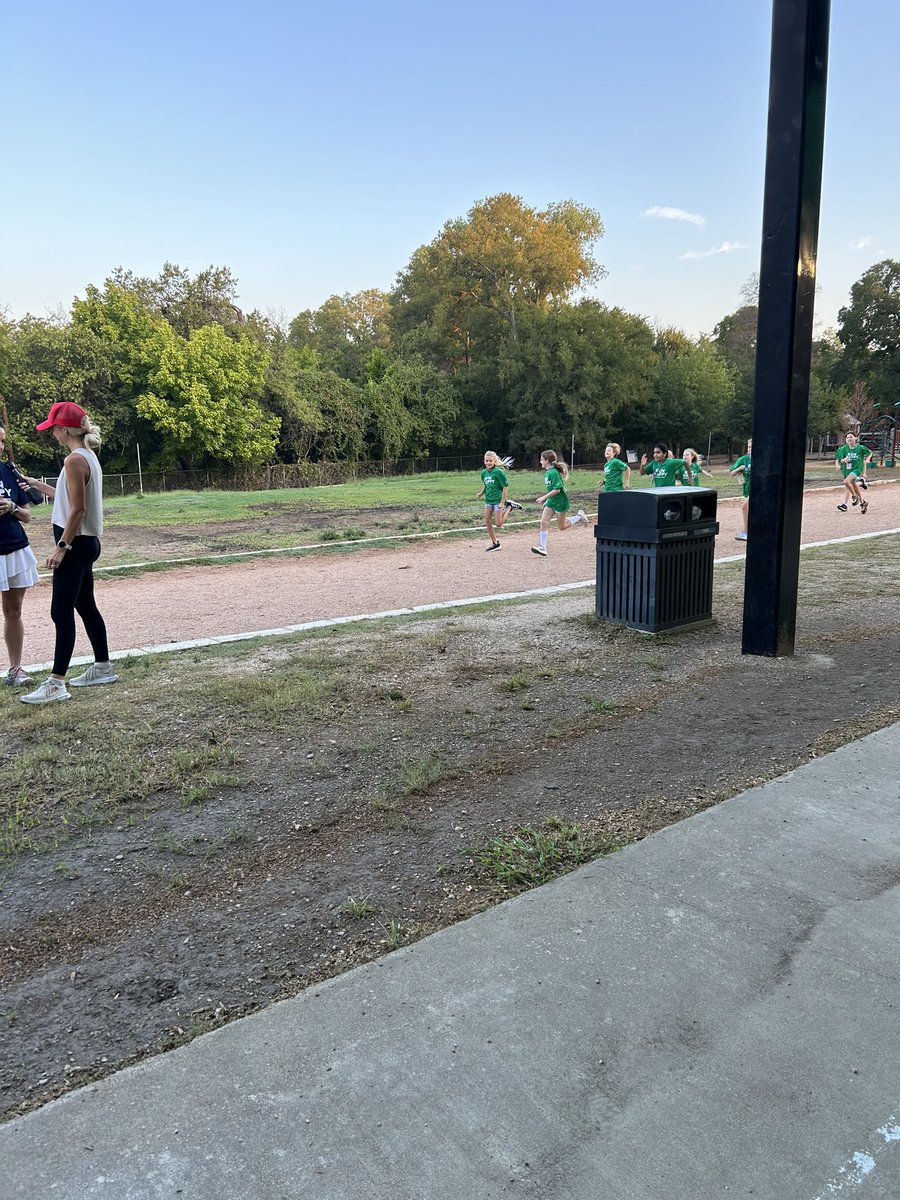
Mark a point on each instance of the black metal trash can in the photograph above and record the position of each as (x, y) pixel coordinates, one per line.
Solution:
(655, 553)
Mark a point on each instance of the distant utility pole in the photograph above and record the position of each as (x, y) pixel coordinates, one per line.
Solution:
(787, 282)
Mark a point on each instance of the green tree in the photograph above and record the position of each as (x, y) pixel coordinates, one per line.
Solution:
(203, 398)
(323, 417)
(691, 392)
(575, 370)
(869, 330)
(414, 410)
(471, 285)
(345, 331)
(735, 339)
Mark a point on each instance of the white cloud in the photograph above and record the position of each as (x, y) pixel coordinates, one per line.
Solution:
(673, 214)
(725, 248)
(860, 243)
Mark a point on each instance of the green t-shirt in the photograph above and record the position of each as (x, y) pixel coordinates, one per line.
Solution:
(494, 481)
(613, 474)
(560, 502)
(852, 461)
(666, 472)
(696, 470)
(744, 461)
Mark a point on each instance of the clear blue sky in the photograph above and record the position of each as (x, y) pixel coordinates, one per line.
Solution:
(311, 147)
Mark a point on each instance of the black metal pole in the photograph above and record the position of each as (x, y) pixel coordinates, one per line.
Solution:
(787, 281)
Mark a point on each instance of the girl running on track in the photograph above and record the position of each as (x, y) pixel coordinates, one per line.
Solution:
(555, 500)
(742, 467)
(694, 463)
(18, 566)
(497, 506)
(77, 520)
(852, 460)
(665, 470)
(616, 473)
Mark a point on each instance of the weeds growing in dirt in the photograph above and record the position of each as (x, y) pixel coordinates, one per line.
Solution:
(528, 857)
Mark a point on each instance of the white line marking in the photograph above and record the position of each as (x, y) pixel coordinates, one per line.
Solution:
(327, 622)
(860, 1165)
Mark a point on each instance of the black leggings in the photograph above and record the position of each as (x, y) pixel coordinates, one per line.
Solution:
(73, 591)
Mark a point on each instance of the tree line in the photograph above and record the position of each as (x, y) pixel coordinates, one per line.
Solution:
(483, 342)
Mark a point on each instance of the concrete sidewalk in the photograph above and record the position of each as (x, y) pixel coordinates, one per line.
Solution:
(712, 1012)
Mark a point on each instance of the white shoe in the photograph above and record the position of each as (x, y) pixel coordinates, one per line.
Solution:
(581, 515)
(539, 550)
(96, 674)
(51, 689)
(16, 677)
(740, 537)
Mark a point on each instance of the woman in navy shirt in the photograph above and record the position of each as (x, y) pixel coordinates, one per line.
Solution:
(18, 566)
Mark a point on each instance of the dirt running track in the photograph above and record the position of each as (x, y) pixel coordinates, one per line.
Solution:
(187, 603)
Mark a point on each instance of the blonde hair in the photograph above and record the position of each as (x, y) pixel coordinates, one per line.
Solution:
(617, 449)
(555, 461)
(88, 431)
(498, 462)
(695, 457)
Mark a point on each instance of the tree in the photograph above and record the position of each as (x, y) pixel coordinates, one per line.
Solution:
(691, 392)
(473, 282)
(414, 410)
(735, 339)
(344, 331)
(185, 303)
(869, 330)
(575, 370)
(323, 417)
(203, 397)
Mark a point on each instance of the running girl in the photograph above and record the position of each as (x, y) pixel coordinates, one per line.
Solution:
(555, 500)
(852, 460)
(665, 470)
(742, 467)
(694, 463)
(616, 473)
(494, 485)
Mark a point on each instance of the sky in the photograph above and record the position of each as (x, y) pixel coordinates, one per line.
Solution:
(311, 148)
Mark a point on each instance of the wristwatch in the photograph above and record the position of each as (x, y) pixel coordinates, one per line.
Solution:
(61, 545)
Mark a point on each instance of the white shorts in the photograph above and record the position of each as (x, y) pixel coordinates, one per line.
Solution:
(18, 569)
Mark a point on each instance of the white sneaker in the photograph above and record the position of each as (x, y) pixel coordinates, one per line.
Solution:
(50, 690)
(539, 550)
(581, 515)
(740, 537)
(16, 677)
(96, 674)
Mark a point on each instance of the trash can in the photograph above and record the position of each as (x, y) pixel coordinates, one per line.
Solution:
(655, 553)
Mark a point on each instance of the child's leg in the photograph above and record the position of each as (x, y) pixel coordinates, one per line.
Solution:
(546, 518)
(489, 521)
(500, 516)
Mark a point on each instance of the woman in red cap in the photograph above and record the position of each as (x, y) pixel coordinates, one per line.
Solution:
(18, 566)
(77, 525)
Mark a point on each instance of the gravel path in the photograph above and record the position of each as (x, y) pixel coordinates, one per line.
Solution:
(186, 603)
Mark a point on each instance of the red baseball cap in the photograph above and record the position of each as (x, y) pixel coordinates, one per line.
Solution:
(63, 413)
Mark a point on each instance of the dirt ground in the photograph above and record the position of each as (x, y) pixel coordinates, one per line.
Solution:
(173, 919)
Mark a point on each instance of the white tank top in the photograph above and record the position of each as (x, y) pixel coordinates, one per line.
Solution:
(92, 525)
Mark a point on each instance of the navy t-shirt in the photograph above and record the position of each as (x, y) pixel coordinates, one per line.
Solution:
(12, 535)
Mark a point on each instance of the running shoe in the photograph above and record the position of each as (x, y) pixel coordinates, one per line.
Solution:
(581, 516)
(539, 550)
(740, 537)
(863, 485)
(855, 501)
(513, 504)
(842, 508)
(16, 677)
(50, 690)
(96, 674)
(864, 507)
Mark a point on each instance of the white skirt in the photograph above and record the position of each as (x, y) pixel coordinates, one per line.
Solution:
(18, 569)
